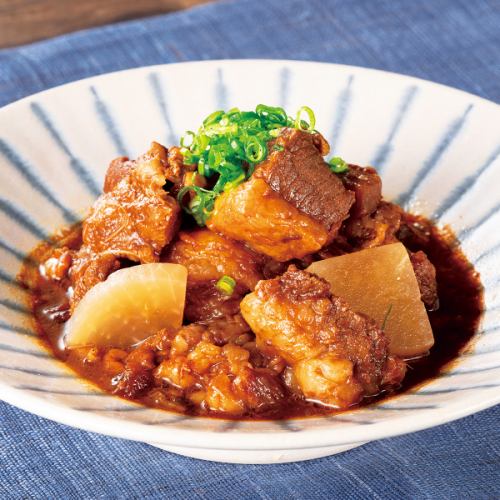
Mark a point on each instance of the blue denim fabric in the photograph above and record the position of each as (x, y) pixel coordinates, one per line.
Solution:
(455, 42)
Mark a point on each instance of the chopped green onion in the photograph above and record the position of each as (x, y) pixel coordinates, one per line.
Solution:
(201, 206)
(216, 156)
(230, 178)
(213, 118)
(234, 183)
(278, 147)
(226, 285)
(275, 116)
(202, 170)
(386, 317)
(255, 150)
(338, 165)
(188, 134)
(303, 125)
(227, 148)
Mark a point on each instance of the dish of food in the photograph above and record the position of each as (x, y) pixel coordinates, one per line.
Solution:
(242, 275)
(225, 294)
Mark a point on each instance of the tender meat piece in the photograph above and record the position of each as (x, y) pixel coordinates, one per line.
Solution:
(209, 256)
(118, 169)
(292, 205)
(255, 214)
(133, 383)
(219, 379)
(296, 170)
(373, 230)
(426, 278)
(137, 218)
(337, 356)
(176, 167)
(56, 267)
(394, 372)
(327, 379)
(205, 302)
(134, 220)
(88, 269)
(230, 329)
(366, 185)
(137, 377)
(179, 174)
(192, 370)
(130, 372)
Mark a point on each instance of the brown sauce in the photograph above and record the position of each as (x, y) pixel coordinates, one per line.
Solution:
(454, 323)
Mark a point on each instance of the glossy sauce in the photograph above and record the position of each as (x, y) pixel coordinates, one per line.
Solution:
(454, 323)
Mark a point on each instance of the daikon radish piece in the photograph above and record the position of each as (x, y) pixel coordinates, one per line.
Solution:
(132, 304)
(380, 282)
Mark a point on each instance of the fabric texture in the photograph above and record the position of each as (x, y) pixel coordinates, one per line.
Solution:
(454, 42)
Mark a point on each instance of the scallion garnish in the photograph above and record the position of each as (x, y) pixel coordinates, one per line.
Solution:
(301, 124)
(338, 165)
(226, 285)
(386, 317)
(227, 147)
(200, 206)
(255, 149)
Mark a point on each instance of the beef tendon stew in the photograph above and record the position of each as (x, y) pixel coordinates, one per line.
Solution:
(242, 275)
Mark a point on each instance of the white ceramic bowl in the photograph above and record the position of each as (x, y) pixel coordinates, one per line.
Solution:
(437, 150)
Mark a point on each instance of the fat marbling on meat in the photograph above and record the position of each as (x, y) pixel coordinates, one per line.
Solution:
(336, 355)
(134, 219)
(292, 205)
(209, 256)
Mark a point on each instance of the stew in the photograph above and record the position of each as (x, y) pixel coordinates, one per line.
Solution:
(187, 287)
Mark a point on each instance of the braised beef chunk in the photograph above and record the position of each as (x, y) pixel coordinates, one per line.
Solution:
(88, 269)
(218, 379)
(137, 377)
(337, 356)
(179, 174)
(137, 218)
(134, 220)
(263, 390)
(229, 329)
(255, 214)
(291, 206)
(205, 302)
(426, 277)
(209, 256)
(134, 383)
(373, 230)
(296, 170)
(176, 168)
(366, 185)
(56, 267)
(118, 169)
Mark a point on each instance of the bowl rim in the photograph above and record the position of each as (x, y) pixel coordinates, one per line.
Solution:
(270, 62)
(235, 439)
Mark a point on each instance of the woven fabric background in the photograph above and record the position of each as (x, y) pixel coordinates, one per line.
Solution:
(455, 42)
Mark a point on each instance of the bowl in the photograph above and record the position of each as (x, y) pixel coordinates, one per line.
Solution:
(436, 148)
